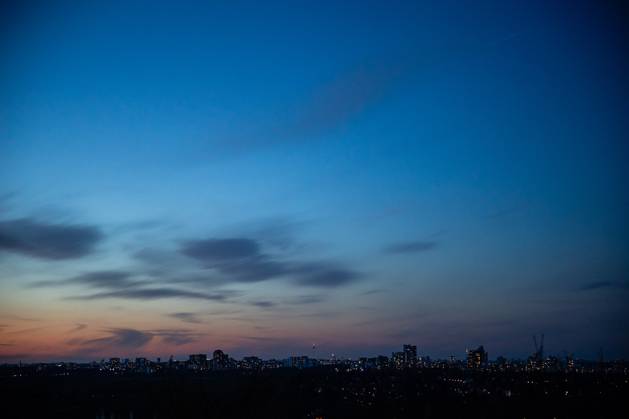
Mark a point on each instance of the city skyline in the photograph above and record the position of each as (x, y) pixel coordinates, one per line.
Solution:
(344, 177)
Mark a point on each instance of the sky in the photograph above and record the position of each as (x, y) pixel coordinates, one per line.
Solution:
(313, 178)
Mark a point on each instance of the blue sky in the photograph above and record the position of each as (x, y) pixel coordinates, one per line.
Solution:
(356, 176)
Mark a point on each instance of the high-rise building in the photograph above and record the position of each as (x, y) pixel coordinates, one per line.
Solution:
(220, 360)
(477, 358)
(410, 355)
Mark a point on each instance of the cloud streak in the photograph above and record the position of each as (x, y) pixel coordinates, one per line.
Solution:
(241, 260)
(118, 284)
(127, 338)
(98, 279)
(153, 294)
(78, 327)
(37, 239)
(186, 317)
(596, 285)
(326, 276)
(330, 107)
(410, 247)
(117, 338)
(176, 337)
(263, 304)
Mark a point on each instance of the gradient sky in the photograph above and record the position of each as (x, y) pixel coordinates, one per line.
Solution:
(262, 178)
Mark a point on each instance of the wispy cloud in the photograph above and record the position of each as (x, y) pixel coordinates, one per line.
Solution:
(153, 294)
(126, 338)
(98, 279)
(263, 304)
(306, 299)
(238, 258)
(117, 338)
(78, 327)
(596, 285)
(135, 226)
(25, 331)
(34, 238)
(177, 337)
(186, 317)
(120, 284)
(342, 99)
(373, 291)
(330, 107)
(241, 260)
(410, 247)
(325, 275)
(20, 318)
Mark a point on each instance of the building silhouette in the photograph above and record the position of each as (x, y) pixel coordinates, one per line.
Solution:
(477, 358)
(220, 360)
(410, 355)
(197, 361)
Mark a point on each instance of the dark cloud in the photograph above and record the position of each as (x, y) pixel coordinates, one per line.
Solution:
(99, 279)
(254, 269)
(237, 258)
(603, 284)
(410, 247)
(264, 304)
(186, 317)
(104, 279)
(240, 260)
(327, 276)
(33, 238)
(373, 291)
(205, 280)
(118, 338)
(177, 337)
(596, 285)
(153, 294)
(274, 232)
(306, 299)
(123, 338)
(120, 284)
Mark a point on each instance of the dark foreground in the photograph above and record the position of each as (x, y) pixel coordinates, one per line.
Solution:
(317, 392)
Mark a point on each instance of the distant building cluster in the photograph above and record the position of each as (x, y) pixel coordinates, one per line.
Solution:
(407, 358)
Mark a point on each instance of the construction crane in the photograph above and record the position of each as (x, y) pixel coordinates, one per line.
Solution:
(539, 350)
